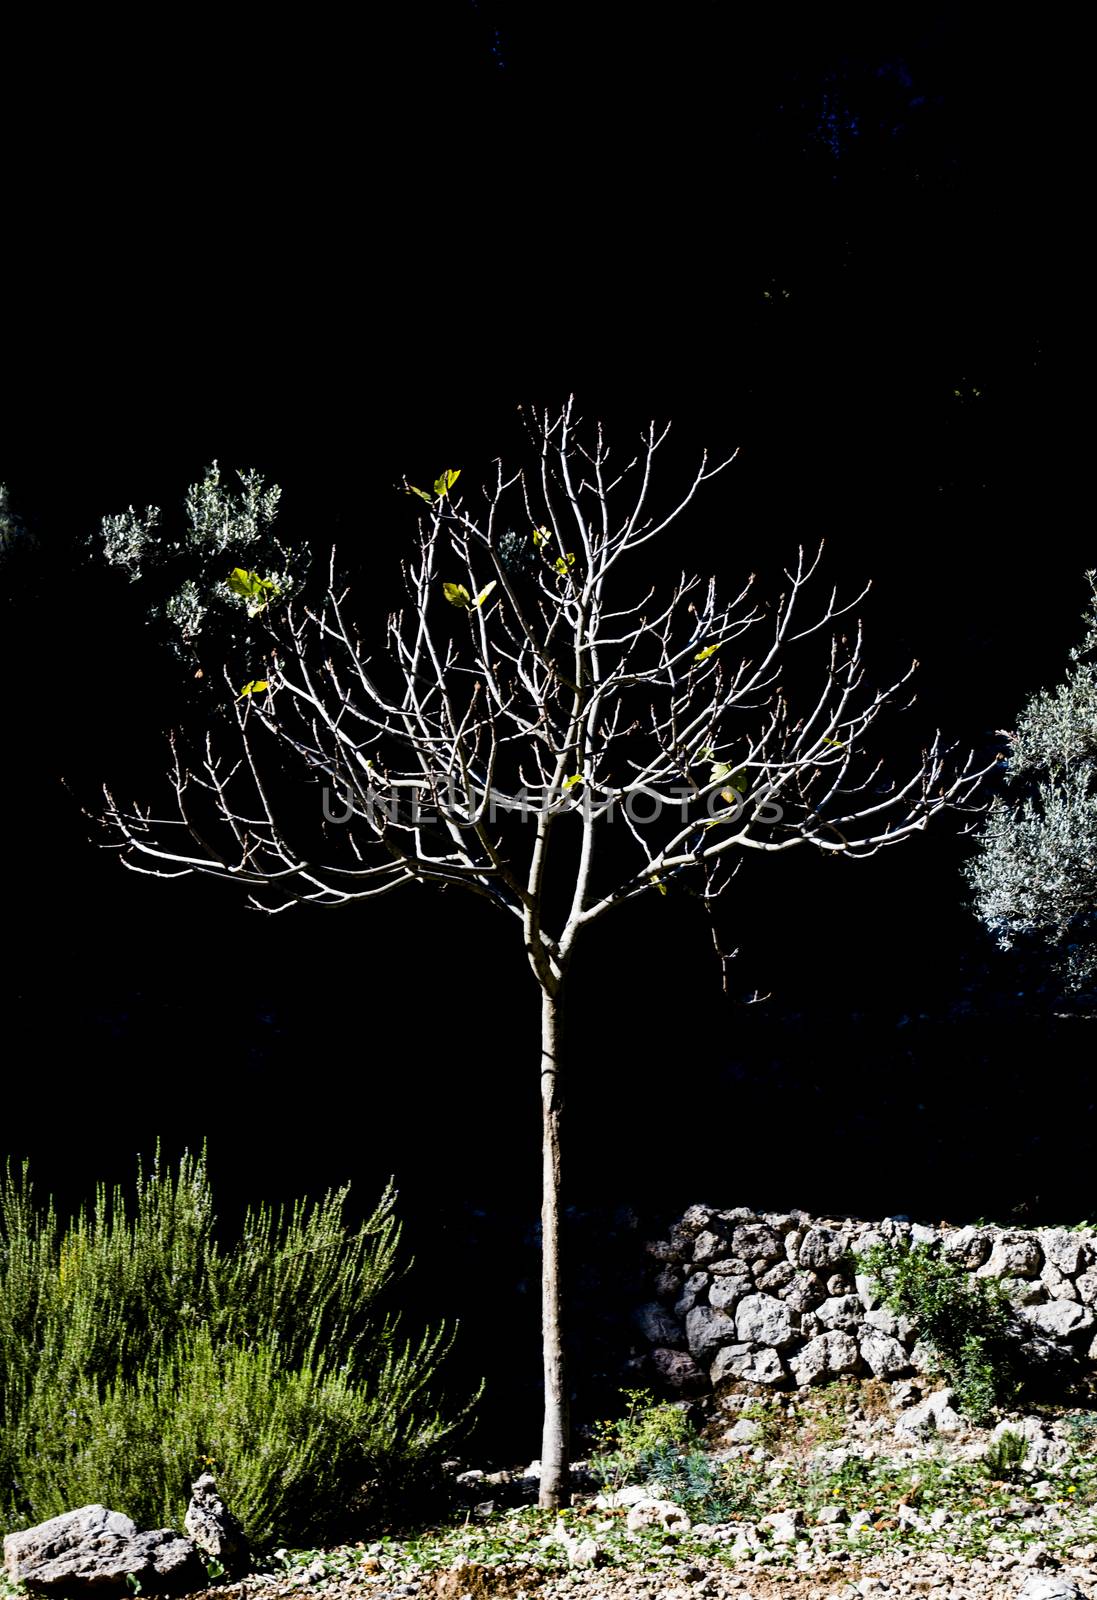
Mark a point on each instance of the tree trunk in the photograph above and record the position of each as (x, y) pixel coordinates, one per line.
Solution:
(554, 1436)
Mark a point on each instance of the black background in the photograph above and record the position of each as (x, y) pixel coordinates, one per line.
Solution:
(844, 242)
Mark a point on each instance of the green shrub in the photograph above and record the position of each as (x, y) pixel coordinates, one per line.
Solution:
(967, 1322)
(1003, 1459)
(658, 1446)
(134, 1350)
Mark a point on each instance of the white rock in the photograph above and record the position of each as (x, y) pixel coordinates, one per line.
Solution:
(843, 1311)
(1042, 1588)
(651, 1513)
(765, 1320)
(1061, 1319)
(826, 1356)
(884, 1356)
(934, 1414)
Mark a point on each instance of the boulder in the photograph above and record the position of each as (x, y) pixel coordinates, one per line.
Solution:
(821, 1248)
(707, 1246)
(679, 1371)
(1015, 1255)
(707, 1330)
(757, 1241)
(726, 1293)
(827, 1356)
(94, 1551)
(967, 1246)
(843, 1311)
(657, 1514)
(765, 1320)
(884, 1356)
(745, 1365)
(1063, 1250)
(654, 1322)
(1060, 1319)
(935, 1414)
(1041, 1587)
(213, 1528)
(696, 1284)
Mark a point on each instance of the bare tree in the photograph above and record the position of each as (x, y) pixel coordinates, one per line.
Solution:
(535, 693)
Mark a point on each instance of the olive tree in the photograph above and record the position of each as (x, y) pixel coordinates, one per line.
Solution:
(1034, 874)
(541, 728)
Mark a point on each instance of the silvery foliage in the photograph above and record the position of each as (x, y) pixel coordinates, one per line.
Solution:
(1036, 871)
(223, 528)
(10, 526)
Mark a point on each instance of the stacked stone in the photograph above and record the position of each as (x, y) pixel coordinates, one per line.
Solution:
(775, 1299)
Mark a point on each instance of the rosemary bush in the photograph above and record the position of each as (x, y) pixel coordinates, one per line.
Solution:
(136, 1349)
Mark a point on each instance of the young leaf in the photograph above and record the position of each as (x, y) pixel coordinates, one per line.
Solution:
(257, 591)
(564, 562)
(256, 686)
(660, 885)
(422, 493)
(709, 650)
(484, 592)
(445, 483)
(576, 777)
(540, 535)
(457, 594)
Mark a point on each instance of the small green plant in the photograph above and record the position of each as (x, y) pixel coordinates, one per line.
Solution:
(656, 1444)
(967, 1322)
(1003, 1459)
(625, 1447)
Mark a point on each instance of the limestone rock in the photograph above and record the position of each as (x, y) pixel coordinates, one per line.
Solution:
(213, 1528)
(726, 1293)
(97, 1551)
(657, 1326)
(884, 1356)
(757, 1241)
(827, 1356)
(695, 1287)
(1060, 1319)
(707, 1330)
(969, 1246)
(843, 1311)
(679, 1371)
(935, 1414)
(658, 1514)
(820, 1248)
(1062, 1250)
(765, 1320)
(1040, 1587)
(1015, 1255)
(744, 1365)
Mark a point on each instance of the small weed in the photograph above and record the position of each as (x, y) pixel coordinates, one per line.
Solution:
(1004, 1459)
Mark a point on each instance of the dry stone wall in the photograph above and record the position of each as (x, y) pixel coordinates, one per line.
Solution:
(774, 1298)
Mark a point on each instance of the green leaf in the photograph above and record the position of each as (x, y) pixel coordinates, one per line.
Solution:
(457, 594)
(256, 686)
(445, 483)
(541, 536)
(484, 592)
(576, 777)
(564, 563)
(660, 885)
(422, 493)
(257, 591)
(837, 743)
(709, 650)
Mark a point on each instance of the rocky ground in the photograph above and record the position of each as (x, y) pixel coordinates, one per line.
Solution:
(858, 1489)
